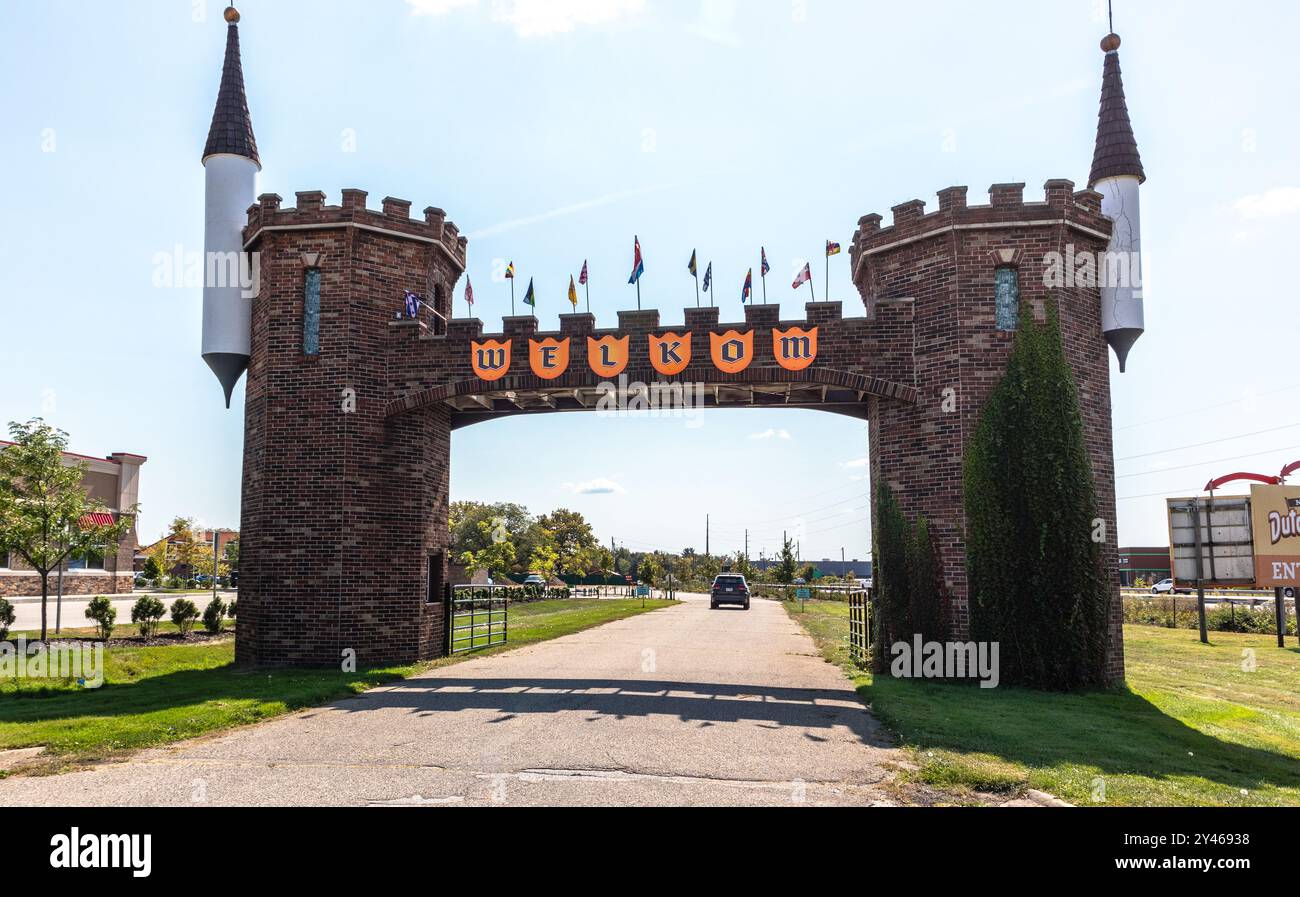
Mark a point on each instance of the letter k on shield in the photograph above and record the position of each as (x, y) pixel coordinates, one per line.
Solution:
(670, 354)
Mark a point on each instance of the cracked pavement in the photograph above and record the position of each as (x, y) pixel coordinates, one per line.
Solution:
(683, 706)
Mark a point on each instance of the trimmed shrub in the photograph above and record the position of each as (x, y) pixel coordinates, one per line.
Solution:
(104, 614)
(893, 588)
(7, 617)
(928, 590)
(213, 615)
(184, 613)
(230, 609)
(1034, 569)
(146, 613)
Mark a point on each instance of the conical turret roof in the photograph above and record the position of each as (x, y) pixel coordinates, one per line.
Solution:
(232, 126)
(1117, 149)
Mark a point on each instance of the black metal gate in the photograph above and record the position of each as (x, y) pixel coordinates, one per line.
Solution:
(860, 626)
(478, 617)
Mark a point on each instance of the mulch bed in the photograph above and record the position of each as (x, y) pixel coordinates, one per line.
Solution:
(163, 640)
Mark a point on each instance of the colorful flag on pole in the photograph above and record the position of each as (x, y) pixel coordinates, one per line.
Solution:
(469, 291)
(805, 276)
(531, 297)
(693, 267)
(766, 267)
(573, 293)
(748, 291)
(638, 263)
(412, 305)
(708, 277)
(832, 248)
(582, 278)
(510, 271)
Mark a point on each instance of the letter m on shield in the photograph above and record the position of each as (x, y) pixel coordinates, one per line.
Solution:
(795, 349)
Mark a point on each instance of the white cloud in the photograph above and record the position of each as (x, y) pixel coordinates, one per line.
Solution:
(540, 18)
(1270, 204)
(717, 22)
(596, 487)
(772, 434)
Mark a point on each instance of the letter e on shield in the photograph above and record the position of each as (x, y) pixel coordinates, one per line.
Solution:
(491, 360)
(608, 356)
(795, 349)
(671, 353)
(549, 357)
(732, 352)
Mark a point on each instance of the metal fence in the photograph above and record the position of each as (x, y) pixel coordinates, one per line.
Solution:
(478, 617)
(860, 626)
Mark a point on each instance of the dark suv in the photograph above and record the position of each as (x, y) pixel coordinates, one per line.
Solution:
(729, 588)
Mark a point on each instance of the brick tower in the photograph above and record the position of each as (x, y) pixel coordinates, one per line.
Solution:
(336, 495)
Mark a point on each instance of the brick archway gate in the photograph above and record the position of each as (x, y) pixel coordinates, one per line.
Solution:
(347, 447)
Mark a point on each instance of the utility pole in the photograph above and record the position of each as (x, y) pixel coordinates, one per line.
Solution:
(747, 545)
(707, 522)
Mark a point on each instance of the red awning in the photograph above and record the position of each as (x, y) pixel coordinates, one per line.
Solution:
(94, 521)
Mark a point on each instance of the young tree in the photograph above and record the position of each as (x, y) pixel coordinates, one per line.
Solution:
(786, 568)
(45, 511)
(925, 579)
(104, 614)
(570, 535)
(495, 557)
(650, 571)
(186, 554)
(1034, 566)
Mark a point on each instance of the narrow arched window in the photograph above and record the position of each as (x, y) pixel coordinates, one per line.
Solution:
(311, 313)
(1006, 284)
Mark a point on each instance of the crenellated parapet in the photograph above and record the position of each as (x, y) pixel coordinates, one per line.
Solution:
(393, 218)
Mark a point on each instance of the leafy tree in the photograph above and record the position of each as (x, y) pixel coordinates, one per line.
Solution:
(570, 534)
(786, 567)
(494, 557)
(925, 579)
(7, 617)
(544, 561)
(186, 555)
(892, 583)
(232, 554)
(146, 613)
(651, 570)
(1034, 570)
(707, 568)
(213, 615)
(104, 615)
(184, 613)
(742, 566)
(467, 519)
(44, 508)
(152, 571)
(808, 573)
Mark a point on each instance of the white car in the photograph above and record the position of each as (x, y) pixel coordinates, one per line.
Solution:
(1166, 587)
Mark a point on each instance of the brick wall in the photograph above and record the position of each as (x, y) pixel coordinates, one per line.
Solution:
(342, 511)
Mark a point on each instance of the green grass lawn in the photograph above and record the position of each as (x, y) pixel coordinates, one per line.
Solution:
(1191, 728)
(157, 695)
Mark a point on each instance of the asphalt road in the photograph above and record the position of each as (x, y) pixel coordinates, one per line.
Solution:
(28, 611)
(677, 707)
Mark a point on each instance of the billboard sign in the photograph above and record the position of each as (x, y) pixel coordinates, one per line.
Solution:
(1220, 530)
(1275, 516)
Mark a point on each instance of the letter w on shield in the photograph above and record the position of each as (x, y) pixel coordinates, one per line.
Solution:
(670, 354)
(491, 359)
(549, 358)
(795, 349)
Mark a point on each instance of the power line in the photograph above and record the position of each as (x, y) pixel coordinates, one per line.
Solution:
(1211, 442)
(1161, 420)
(1285, 448)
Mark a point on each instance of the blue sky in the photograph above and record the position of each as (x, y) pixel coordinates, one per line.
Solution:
(554, 130)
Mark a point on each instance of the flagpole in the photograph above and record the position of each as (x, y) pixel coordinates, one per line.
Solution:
(587, 286)
(512, 297)
(812, 286)
(764, 278)
(638, 294)
(697, 290)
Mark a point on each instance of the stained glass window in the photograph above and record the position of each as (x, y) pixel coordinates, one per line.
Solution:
(311, 313)
(1007, 290)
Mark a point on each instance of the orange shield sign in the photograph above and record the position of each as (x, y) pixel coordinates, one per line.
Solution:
(795, 349)
(608, 356)
(671, 353)
(491, 360)
(549, 357)
(732, 351)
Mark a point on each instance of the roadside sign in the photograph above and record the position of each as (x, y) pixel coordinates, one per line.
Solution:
(1275, 515)
(803, 594)
(1217, 533)
(643, 591)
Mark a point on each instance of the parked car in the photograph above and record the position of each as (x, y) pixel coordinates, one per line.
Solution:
(535, 581)
(1167, 587)
(729, 588)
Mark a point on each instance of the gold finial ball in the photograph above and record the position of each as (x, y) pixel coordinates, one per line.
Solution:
(232, 15)
(1110, 43)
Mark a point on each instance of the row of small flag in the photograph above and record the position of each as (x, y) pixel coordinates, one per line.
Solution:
(414, 301)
